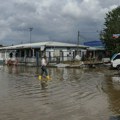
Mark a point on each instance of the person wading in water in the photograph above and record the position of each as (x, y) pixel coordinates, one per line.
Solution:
(44, 68)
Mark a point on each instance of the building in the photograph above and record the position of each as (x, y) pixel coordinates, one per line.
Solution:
(1, 56)
(97, 50)
(30, 54)
(95, 43)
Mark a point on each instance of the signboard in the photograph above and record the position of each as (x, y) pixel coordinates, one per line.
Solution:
(116, 36)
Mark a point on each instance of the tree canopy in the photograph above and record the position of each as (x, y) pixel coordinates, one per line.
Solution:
(110, 35)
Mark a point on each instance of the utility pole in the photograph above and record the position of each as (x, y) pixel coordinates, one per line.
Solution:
(30, 29)
(78, 42)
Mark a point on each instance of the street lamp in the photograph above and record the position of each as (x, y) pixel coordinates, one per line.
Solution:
(30, 29)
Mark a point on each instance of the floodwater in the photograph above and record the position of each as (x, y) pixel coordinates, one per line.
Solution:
(71, 94)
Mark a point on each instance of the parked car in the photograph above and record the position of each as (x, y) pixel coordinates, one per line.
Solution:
(115, 61)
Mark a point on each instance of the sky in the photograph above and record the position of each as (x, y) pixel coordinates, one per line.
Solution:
(52, 20)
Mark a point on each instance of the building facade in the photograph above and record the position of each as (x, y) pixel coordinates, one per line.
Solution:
(31, 54)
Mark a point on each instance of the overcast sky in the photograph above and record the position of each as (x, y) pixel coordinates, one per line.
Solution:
(52, 20)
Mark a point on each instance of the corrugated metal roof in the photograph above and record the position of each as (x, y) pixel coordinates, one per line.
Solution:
(39, 44)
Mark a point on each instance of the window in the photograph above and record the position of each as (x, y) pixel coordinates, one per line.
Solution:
(117, 57)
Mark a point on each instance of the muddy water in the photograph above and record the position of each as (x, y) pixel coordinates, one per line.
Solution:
(72, 94)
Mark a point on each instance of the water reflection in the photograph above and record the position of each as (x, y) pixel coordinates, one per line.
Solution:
(72, 94)
(117, 117)
(116, 79)
(112, 89)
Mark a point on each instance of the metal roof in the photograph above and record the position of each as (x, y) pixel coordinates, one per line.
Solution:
(39, 44)
(95, 48)
(95, 43)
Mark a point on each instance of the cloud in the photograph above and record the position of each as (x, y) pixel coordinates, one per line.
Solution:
(72, 9)
(52, 19)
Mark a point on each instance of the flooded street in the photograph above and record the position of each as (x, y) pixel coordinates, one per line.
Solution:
(71, 94)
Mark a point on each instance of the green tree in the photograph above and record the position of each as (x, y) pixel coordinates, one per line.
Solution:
(112, 26)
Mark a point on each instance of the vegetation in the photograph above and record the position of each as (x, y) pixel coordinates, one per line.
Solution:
(112, 27)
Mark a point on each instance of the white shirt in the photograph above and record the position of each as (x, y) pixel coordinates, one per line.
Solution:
(43, 62)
